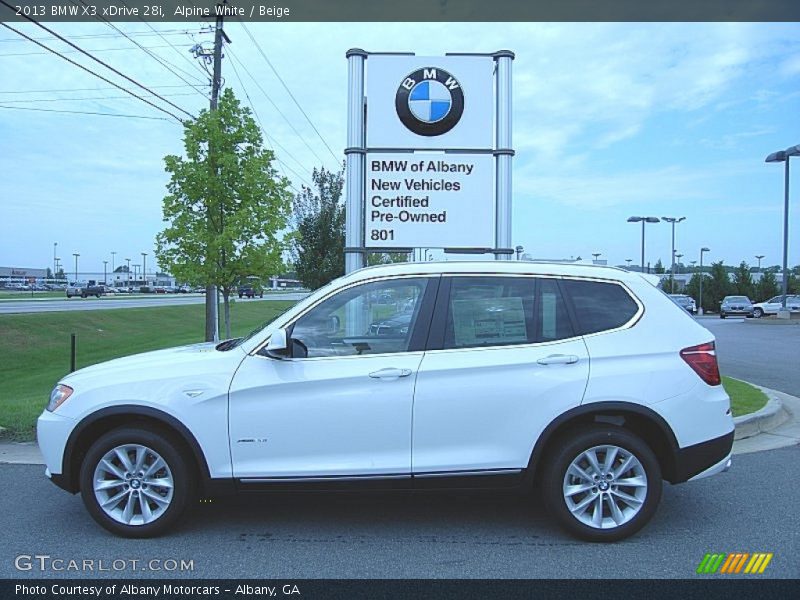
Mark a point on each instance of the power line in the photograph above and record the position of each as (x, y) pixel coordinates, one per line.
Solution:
(280, 112)
(84, 112)
(90, 89)
(288, 91)
(5, 54)
(27, 100)
(94, 58)
(272, 138)
(88, 36)
(182, 55)
(266, 135)
(88, 70)
(163, 62)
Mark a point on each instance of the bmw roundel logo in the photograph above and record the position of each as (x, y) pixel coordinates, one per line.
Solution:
(429, 101)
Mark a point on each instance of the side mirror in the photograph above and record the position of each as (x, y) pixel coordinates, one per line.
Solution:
(278, 344)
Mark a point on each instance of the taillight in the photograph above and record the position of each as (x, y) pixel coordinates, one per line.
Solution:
(703, 360)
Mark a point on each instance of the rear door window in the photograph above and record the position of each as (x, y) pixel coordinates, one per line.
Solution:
(600, 306)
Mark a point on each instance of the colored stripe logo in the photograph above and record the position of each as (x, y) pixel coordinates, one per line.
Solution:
(734, 563)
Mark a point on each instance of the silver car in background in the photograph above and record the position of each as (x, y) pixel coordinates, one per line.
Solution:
(685, 302)
(773, 305)
(735, 305)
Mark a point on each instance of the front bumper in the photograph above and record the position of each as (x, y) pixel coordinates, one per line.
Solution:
(704, 459)
(52, 432)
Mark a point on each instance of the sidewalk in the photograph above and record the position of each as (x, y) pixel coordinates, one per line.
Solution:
(775, 426)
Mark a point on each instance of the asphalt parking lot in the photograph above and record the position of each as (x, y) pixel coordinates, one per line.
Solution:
(452, 534)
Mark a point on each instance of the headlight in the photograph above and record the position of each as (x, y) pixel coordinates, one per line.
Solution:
(57, 397)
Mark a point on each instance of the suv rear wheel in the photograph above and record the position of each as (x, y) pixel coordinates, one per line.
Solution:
(602, 484)
(135, 482)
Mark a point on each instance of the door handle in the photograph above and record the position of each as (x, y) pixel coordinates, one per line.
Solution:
(558, 359)
(390, 373)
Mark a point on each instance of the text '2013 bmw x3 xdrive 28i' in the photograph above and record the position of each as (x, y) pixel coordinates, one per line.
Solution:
(584, 382)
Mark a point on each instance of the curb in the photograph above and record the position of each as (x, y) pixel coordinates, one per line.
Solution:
(772, 415)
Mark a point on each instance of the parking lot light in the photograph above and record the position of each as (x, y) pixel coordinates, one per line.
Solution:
(700, 299)
(643, 221)
(783, 156)
(673, 221)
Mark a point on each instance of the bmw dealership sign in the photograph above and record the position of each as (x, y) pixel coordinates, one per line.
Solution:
(428, 157)
(417, 102)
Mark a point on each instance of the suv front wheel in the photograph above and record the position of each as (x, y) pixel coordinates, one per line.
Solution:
(602, 483)
(135, 482)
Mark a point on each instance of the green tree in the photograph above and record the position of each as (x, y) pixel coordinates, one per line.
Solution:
(225, 204)
(767, 287)
(386, 258)
(317, 244)
(658, 269)
(716, 287)
(742, 283)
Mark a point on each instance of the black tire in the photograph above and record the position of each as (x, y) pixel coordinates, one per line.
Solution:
(567, 449)
(721, 315)
(83, 295)
(758, 313)
(178, 466)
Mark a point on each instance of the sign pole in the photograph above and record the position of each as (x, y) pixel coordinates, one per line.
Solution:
(503, 153)
(356, 156)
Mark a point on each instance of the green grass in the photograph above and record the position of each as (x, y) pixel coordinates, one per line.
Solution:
(745, 398)
(27, 295)
(34, 348)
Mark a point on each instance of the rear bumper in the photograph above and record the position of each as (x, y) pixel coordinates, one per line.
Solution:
(704, 459)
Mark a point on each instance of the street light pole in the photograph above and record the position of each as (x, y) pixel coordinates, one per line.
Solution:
(783, 156)
(673, 220)
(596, 255)
(129, 271)
(700, 299)
(144, 267)
(105, 274)
(759, 257)
(113, 267)
(76, 255)
(55, 260)
(679, 257)
(644, 220)
(629, 261)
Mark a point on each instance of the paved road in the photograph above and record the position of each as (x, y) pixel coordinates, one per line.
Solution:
(450, 534)
(58, 305)
(764, 353)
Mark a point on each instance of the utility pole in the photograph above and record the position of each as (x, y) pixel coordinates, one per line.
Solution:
(212, 300)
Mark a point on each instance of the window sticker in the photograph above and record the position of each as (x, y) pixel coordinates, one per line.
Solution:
(489, 321)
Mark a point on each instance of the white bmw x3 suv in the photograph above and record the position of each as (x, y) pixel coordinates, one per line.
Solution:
(583, 382)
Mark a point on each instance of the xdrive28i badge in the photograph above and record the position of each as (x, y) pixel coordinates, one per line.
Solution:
(429, 101)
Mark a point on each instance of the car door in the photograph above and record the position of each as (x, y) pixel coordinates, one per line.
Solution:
(341, 404)
(503, 362)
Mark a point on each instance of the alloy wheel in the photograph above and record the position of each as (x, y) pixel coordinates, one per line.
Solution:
(605, 486)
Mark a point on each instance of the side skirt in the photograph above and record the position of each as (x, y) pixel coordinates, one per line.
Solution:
(484, 479)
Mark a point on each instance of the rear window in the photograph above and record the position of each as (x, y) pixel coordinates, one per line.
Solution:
(600, 306)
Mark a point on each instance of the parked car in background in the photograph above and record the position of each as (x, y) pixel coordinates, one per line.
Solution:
(85, 289)
(583, 382)
(185, 289)
(251, 290)
(774, 304)
(685, 302)
(735, 305)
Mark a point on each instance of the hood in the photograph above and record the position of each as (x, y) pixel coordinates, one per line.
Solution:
(190, 358)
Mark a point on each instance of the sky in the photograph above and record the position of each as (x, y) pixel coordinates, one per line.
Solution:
(610, 121)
